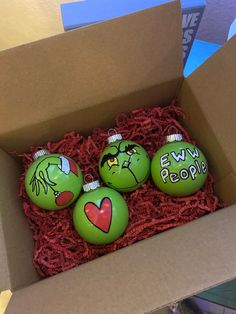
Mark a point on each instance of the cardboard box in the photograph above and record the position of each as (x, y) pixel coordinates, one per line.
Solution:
(80, 80)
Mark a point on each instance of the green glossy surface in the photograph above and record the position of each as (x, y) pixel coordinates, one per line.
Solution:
(101, 216)
(179, 169)
(53, 181)
(124, 166)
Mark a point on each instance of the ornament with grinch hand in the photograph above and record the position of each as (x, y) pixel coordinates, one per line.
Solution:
(53, 181)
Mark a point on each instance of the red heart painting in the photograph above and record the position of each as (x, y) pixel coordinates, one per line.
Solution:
(100, 217)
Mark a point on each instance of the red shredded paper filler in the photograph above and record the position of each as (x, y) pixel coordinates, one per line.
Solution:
(58, 246)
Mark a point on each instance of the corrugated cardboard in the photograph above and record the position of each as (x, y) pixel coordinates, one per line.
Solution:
(81, 80)
(61, 76)
(208, 96)
(16, 243)
(143, 277)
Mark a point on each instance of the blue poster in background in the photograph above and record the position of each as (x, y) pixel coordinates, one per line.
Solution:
(86, 12)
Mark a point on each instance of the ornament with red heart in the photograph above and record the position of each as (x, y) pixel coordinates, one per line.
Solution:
(100, 215)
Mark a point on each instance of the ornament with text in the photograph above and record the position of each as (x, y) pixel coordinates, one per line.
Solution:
(179, 168)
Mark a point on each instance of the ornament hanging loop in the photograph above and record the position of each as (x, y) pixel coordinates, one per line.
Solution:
(172, 130)
(112, 132)
(88, 178)
(40, 153)
(173, 134)
(113, 136)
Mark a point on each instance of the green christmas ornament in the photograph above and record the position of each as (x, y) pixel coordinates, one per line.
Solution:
(100, 215)
(179, 168)
(124, 165)
(53, 181)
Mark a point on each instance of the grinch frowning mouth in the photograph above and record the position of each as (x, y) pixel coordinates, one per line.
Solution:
(124, 166)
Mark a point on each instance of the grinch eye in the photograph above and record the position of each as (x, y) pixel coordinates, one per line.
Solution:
(131, 151)
(112, 162)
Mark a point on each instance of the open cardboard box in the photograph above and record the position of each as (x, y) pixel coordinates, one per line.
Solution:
(80, 80)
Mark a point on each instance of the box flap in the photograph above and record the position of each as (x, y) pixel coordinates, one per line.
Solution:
(16, 243)
(4, 271)
(146, 276)
(209, 95)
(63, 74)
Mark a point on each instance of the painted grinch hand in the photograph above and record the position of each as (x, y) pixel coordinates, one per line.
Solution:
(53, 181)
(41, 175)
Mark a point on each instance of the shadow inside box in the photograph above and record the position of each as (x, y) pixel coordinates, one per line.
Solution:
(85, 119)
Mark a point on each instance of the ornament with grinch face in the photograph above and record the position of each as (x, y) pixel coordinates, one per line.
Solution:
(124, 165)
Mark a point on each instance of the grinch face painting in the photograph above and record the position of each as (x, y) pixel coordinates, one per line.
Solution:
(53, 181)
(124, 166)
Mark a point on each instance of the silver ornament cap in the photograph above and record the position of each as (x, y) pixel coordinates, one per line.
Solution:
(91, 186)
(114, 138)
(177, 137)
(40, 153)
